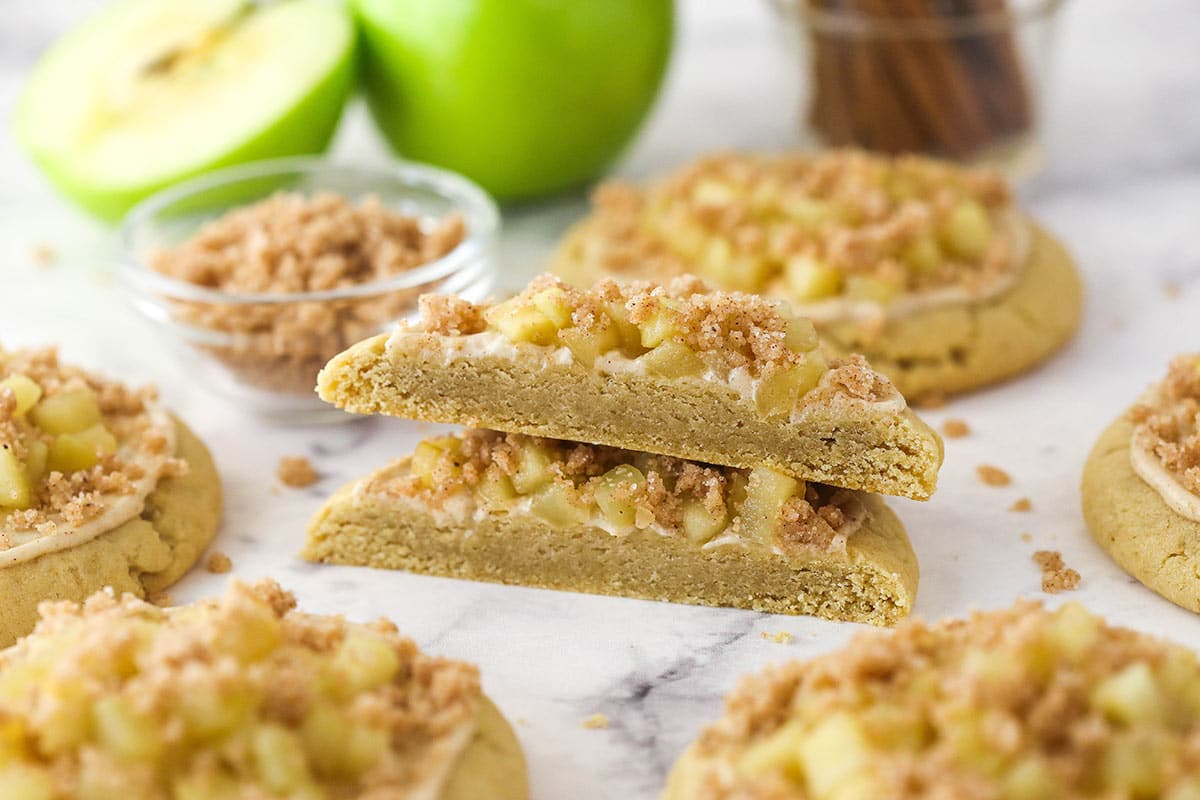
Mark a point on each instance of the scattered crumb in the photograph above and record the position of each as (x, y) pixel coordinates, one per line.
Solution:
(1172, 290)
(1022, 504)
(524, 723)
(160, 599)
(596, 722)
(1026, 537)
(1056, 575)
(42, 255)
(779, 637)
(218, 563)
(955, 428)
(992, 476)
(296, 472)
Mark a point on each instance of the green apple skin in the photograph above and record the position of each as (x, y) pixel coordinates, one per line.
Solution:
(526, 97)
(306, 129)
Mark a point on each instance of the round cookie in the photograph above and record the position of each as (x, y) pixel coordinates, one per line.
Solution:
(955, 348)
(1135, 527)
(143, 556)
(493, 764)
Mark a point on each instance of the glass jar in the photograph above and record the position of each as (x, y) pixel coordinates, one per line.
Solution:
(957, 79)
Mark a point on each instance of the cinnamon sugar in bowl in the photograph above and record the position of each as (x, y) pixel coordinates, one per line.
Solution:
(263, 272)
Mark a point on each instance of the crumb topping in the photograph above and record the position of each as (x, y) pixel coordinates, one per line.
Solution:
(844, 223)
(218, 563)
(291, 243)
(574, 483)
(955, 428)
(993, 476)
(1056, 575)
(1168, 422)
(71, 444)
(296, 472)
(1025, 702)
(242, 696)
(1021, 504)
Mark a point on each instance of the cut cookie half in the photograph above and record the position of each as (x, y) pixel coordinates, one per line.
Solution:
(723, 378)
(515, 509)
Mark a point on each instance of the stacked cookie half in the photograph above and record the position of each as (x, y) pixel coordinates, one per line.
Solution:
(658, 441)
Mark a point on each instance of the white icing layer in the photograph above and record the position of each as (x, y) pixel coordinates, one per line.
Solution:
(1150, 469)
(18, 545)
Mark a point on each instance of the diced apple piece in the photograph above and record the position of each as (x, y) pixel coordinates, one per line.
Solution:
(1131, 766)
(338, 749)
(968, 230)
(745, 273)
(70, 411)
(496, 489)
(780, 391)
(630, 335)
(519, 321)
(799, 333)
(26, 782)
(587, 346)
(69, 453)
(206, 785)
(26, 391)
(123, 732)
(363, 662)
(673, 359)
(923, 255)
(1030, 779)
(558, 503)
(37, 454)
(766, 492)
(1131, 696)
(1188, 790)
(16, 491)
(555, 304)
(808, 211)
(533, 468)
(811, 279)
(253, 634)
(662, 325)
(209, 712)
(616, 494)
(279, 759)
(699, 524)
(778, 753)
(98, 438)
(834, 753)
(1074, 631)
(424, 462)
(868, 287)
(710, 192)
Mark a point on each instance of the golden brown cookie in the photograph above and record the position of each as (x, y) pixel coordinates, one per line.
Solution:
(928, 269)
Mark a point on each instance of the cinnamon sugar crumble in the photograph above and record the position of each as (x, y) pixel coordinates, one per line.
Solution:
(815, 518)
(741, 219)
(74, 498)
(1056, 575)
(955, 428)
(779, 637)
(1168, 424)
(338, 710)
(296, 472)
(1021, 504)
(218, 563)
(993, 476)
(1056, 703)
(291, 243)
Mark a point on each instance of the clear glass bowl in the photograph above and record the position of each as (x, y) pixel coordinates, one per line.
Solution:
(263, 350)
(964, 81)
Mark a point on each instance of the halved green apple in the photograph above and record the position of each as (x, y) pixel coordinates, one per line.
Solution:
(149, 92)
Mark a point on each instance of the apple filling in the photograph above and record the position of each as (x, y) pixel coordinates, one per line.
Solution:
(678, 330)
(78, 454)
(1165, 450)
(842, 226)
(229, 699)
(569, 484)
(1023, 704)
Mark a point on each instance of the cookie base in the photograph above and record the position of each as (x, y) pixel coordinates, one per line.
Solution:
(493, 765)
(1130, 521)
(142, 556)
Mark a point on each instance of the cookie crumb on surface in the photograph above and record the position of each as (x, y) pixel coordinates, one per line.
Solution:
(1022, 504)
(296, 472)
(1172, 290)
(955, 428)
(42, 254)
(596, 722)
(1056, 575)
(161, 599)
(779, 637)
(218, 563)
(992, 476)
(1026, 537)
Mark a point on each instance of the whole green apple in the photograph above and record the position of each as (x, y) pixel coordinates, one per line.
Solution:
(149, 92)
(526, 97)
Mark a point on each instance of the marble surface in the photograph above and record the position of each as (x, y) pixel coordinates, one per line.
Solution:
(1122, 188)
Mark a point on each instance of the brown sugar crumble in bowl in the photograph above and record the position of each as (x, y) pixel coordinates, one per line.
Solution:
(291, 244)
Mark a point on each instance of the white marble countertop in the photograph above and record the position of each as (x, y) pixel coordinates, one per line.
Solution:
(1122, 188)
